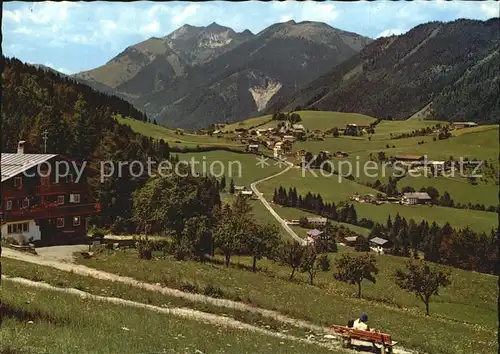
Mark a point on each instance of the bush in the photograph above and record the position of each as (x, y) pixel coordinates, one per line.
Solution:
(213, 291)
(189, 288)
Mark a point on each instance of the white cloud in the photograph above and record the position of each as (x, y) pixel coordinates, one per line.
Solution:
(12, 15)
(108, 25)
(391, 32)
(491, 9)
(185, 13)
(23, 30)
(65, 71)
(318, 12)
(153, 27)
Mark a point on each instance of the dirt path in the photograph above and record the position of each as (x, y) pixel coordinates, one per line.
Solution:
(90, 272)
(64, 264)
(175, 311)
(283, 223)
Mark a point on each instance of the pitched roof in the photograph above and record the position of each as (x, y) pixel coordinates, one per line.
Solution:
(314, 232)
(379, 241)
(418, 195)
(14, 164)
(351, 238)
(316, 219)
(409, 157)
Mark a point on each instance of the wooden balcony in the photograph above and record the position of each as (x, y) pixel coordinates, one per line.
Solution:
(59, 188)
(51, 211)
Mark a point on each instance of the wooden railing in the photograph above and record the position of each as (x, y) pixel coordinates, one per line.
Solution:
(51, 211)
(59, 188)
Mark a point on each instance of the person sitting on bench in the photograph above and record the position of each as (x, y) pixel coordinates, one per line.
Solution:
(360, 323)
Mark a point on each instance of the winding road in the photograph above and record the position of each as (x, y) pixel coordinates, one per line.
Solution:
(283, 223)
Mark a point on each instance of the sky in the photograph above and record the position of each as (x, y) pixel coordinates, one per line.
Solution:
(75, 36)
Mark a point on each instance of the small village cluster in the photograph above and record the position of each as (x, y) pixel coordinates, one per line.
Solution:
(281, 138)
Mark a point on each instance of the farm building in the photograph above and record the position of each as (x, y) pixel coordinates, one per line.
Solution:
(379, 242)
(410, 158)
(461, 125)
(341, 154)
(253, 148)
(351, 240)
(416, 198)
(298, 128)
(314, 233)
(316, 221)
(246, 193)
(40, 205)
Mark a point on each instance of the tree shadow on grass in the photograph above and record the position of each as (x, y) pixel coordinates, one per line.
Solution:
(22, 315)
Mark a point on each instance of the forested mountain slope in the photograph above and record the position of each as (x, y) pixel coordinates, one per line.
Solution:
(446, 71)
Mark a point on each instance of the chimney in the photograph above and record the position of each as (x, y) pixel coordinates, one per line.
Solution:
(20, 147)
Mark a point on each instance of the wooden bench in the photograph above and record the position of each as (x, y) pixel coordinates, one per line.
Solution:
(381, 342)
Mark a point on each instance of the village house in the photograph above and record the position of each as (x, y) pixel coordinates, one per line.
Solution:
(218, 125)
(461, 125)
(312, 235)
(300, 153)
(410, 160)
(316, 222)
(277, 151)
(298, 128)
(359, 127)
(416, 198)
(37, 205)
(341, 154)
(253, 148)
(438, 166)
(350, 240)
(378, 244)
(239, 188)
(290, 138)
(246, 193)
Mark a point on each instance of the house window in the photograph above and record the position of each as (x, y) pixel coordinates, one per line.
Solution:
(60, 199)
(18, 181)
(8, 205)
(26, 203)
(18, 228)
(76, 221)
(60, 222)
(69, 178)
(74, 198)
(44, 180)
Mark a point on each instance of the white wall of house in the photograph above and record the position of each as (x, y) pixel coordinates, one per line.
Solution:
(410, 201)
(33, 232)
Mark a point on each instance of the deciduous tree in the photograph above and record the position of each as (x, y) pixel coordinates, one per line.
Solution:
(422, 280)
(354, 269)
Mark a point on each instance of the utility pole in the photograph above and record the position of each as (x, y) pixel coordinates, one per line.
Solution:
(45, 137)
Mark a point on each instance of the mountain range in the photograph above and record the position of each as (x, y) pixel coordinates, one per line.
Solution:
(196, 76)
(445, 71)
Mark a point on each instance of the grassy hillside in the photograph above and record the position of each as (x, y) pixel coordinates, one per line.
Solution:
(462, 317)
(329, 187)
(459, 188)
(458, 218)
(65, 323)
(243, 167)
(312, 120)
(173, 138)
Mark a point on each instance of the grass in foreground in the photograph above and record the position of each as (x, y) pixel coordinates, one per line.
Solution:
(69, 324)
(62, 279)
(462, 318)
